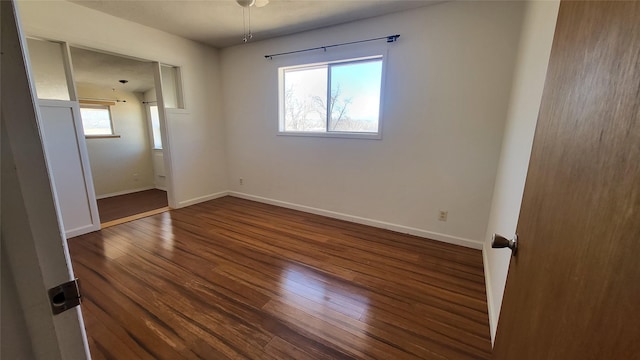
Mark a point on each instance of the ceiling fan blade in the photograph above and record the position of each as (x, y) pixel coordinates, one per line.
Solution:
(261, 3)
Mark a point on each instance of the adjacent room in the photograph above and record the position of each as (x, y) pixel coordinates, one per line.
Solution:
(119, 110)
(324, 178)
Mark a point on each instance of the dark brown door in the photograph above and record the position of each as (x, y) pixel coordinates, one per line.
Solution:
(573, 290)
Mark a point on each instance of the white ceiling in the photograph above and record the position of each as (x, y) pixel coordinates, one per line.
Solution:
(91, 67)
(219, 22)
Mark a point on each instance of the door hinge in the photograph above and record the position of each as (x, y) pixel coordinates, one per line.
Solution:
(64, 296)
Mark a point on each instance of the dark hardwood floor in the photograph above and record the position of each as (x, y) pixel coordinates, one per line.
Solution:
(122, 206)
(235, 279)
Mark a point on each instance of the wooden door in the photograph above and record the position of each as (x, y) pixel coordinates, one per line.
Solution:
(573, 290)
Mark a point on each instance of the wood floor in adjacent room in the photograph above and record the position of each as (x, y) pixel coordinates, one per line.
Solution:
(122, 206)
(235, 279)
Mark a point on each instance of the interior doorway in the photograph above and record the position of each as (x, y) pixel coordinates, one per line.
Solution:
(101, 140)
(117, 98)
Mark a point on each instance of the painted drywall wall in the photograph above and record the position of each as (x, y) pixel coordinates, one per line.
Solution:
(197, 139)
(448, 81)
(124, 164)
(531, 69)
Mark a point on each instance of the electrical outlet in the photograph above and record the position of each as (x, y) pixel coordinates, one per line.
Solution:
(135, 177)
(442, 215)
(241, 181)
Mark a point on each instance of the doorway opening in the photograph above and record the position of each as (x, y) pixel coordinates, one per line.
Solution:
(104, 132)
(119, 111)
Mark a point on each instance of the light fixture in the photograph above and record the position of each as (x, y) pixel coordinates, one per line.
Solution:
(246, 16)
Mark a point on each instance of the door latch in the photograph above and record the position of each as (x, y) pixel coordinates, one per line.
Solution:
(64, 296)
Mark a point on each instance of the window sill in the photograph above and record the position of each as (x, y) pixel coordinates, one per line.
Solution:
(101, 136)
(343, 135)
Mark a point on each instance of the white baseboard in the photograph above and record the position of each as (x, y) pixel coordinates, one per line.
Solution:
(124, 192)
(487, 284)
(81, 230)
(365, 221)
(200, 199)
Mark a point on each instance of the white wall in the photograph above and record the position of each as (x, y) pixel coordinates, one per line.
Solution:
(197, 141)
(531, 69)
(448, 80)
(120, 165)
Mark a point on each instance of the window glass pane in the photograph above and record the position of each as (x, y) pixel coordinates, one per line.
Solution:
(155, 127)
(48, 69)
(171, 87)
(305, 94)
(335, 99)
(355, 96)
(96, 120)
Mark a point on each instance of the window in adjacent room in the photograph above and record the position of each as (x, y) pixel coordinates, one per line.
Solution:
(96, 120)
(155, 127)
(332, 99)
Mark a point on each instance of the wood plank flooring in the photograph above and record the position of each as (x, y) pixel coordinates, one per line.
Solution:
(235, 279)
(122, 206)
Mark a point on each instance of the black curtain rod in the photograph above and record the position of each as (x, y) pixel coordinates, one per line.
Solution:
(102, 99)
(390, 39)
(149, 102)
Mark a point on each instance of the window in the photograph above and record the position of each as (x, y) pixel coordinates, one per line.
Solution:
(172, 87)
(155, 127)
(332, 99)
(96, 120)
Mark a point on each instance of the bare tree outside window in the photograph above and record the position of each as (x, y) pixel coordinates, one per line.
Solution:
(338, 107)
(295, 111)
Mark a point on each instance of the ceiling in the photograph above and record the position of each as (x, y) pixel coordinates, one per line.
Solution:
(91, 67)
(219, 23)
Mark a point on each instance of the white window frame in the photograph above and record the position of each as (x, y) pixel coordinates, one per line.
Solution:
(378, 55)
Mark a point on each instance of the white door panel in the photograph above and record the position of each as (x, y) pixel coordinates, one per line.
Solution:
(62, 137)
(32, 239)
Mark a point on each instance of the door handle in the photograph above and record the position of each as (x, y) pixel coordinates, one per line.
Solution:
(499, 241)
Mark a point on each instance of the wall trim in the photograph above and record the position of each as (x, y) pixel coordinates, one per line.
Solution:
(487, 284)
(124, 192)
(364, 221)
(200, 199)
(81, 230)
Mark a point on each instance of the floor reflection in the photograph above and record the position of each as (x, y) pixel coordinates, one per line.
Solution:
(300, 284)
(117, 241)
